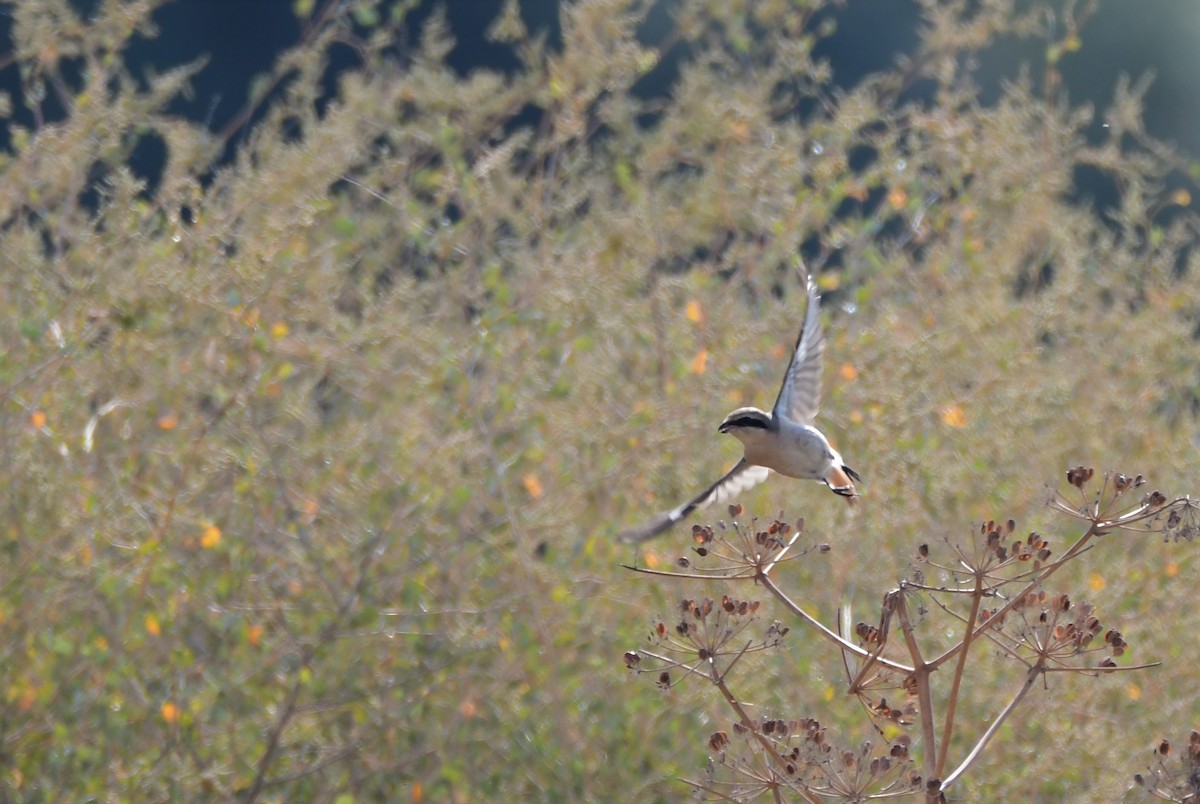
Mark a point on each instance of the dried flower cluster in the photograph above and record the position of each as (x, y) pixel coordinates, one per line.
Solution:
(1171, 781)
(1039, 631)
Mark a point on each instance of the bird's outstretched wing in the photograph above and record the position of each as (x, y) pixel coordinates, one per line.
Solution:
(740, 478)
(800, 395)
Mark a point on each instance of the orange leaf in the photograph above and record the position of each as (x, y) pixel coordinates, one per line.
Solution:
(700, 362)
(532, 485)
(848, 372)
(152, 626)
(170, 712)
(38, 419)
(693, 312)
(953, 416)
(168, 422)
(897, 198)
(254, 634)
(211, 537)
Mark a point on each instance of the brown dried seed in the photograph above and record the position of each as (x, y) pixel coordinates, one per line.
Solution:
(923, 550)
(632, 659)
(664, 679)
(718, 741)
(735, 510)
(1164, 748)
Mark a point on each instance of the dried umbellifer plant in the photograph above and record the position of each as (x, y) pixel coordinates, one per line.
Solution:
(994, 592)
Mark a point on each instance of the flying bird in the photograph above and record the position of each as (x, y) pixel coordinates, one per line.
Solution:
(784, 440)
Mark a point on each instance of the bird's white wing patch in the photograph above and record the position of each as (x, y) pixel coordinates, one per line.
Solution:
(741, 478)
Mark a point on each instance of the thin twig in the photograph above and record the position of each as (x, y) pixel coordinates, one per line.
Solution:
(828, 634)
(1030, 677)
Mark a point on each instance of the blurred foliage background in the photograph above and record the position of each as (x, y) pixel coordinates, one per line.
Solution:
(312, 457)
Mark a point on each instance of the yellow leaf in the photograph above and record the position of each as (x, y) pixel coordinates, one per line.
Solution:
(953, 416)
(152, 626)
(1181, 197)
(38, 419)
(532, 485)
(651, 558)
(700, 361)
(279, 330)
(829, 282)
(1172, 569)
(170, 712)
(1133, 691)
(1096, 582)
(848, 372)
(211, 537)
(693, 312)
(856, 417)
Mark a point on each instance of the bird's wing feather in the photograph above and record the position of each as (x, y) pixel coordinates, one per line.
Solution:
(800, 395)
(737, 480)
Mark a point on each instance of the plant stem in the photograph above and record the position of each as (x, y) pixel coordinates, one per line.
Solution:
(1030, 676)
(952, 703)
(830, 635)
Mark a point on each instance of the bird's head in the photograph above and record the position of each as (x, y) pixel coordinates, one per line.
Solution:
(744, 421)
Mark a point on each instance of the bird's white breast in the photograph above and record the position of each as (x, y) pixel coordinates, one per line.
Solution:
(795, 450)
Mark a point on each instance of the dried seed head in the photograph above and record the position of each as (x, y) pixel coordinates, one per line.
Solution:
(718, 741)
(923, 551)
(664, 680)
(736, 510)
(632, 659)
(1164, 748)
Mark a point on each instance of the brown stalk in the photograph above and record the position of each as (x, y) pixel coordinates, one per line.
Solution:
(952, 703)
(921, 675)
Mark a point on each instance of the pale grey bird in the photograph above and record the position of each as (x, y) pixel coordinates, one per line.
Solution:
(783, 440)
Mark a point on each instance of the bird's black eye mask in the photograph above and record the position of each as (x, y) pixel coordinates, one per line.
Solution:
(746, 421)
